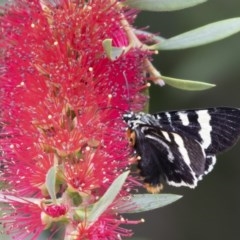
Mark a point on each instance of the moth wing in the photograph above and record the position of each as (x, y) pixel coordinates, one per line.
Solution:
(216, 129)
(176, 158)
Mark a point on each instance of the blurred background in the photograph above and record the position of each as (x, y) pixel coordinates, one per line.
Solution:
(212, 210)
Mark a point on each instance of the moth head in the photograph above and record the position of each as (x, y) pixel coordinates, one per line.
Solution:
(133, 119)
(131, 135)
(129, 119)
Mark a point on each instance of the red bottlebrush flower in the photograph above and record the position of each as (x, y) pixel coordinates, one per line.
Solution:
(61, 104)
(21, 214)
(105, 228)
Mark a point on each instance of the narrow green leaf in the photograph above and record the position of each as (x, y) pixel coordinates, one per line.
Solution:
(107, 199)
(200, 36)
(2, 2)
(113, 53)
(162, 5)
(51, 182)
(146, 202)
(158, 39)
(5, 198)
(187, 84)
(4, 235)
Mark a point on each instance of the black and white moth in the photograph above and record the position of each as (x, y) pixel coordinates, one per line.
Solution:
(180, 147)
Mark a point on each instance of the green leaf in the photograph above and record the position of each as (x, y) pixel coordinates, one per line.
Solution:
(162, 5)
(200, 36)
(5, 198)
(2, 2)
(4, 235)
(158, 39)
(107, 199)
(146, 202)
(51, 182)
(187, 84)
(113, 53)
